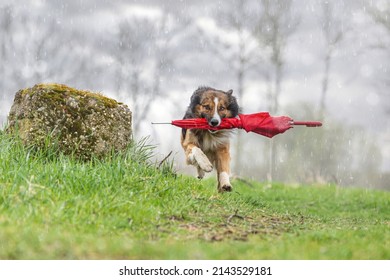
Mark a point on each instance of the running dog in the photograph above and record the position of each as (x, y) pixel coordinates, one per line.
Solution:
(206, 149)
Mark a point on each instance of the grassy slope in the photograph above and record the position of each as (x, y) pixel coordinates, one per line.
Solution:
(52, 207)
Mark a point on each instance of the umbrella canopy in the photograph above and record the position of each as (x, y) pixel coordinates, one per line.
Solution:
(261, 123)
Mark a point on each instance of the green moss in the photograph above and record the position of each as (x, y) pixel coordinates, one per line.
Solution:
(77, 121)
(22, 127)
(58, 92)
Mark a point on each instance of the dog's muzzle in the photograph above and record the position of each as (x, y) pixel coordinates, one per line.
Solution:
(214, 122)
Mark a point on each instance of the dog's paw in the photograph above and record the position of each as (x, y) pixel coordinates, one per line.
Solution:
(225, 188)
(201, 160)
(205, 164)
(201, 173)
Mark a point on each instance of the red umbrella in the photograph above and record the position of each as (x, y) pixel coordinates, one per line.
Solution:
(260, 123)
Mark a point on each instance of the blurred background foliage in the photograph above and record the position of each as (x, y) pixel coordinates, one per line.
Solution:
(311, 60)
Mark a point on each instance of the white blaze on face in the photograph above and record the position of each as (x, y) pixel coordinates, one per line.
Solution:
(216, 116)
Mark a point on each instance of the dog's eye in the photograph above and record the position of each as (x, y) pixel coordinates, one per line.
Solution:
(206, 107)
(222, 108)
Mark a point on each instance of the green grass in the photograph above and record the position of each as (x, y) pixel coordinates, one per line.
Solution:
(54, 207)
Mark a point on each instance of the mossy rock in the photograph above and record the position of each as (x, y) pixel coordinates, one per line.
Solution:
(79, 122)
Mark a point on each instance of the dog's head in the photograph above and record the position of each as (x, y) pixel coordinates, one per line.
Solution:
(214, 105)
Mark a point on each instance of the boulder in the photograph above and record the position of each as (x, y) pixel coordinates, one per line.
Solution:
(78, 122)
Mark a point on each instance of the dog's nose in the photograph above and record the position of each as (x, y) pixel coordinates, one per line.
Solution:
(214, 122)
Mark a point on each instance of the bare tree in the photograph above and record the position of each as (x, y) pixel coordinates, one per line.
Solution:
(277, 23)
(333, 31)
(329, 155)
(144, 55)
(239, 51)
(35, 49)
(134, 50)
(242, 54)
(382, 18)
(5, 45)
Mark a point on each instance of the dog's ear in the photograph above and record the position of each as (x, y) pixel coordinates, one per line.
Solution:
(233, 105)
(195, 100)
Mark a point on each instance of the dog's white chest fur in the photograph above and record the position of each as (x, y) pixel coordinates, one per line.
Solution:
(212, 140)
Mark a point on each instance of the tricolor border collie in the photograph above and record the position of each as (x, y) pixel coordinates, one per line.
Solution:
(207, 149)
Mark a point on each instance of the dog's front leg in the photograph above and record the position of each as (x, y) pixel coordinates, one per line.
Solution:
(196, 157)
(194, 154)
(222, 162)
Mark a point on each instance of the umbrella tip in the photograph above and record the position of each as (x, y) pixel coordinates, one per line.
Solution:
(160, 123)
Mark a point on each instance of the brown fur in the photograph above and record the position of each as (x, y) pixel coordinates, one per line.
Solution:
(205, 149)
